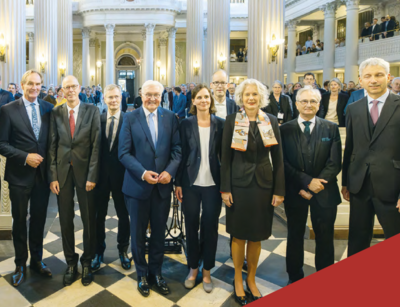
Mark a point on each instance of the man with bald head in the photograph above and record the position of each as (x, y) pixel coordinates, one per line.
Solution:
(74, 145)
(219, 85)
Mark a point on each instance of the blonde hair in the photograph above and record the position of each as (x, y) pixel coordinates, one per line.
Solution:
(111, 87)
(261, 89)
(30, 72)
(374, 62)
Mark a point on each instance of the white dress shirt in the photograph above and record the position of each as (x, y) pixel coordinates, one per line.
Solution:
(221, 109)
(232, 96)
(76, 111)
(300, 121)
(29, 110)
(155, 120)
(309, 44)
(381, 102)
(116, 122)
(204, 177)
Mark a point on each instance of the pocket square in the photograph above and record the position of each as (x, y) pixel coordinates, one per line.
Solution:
(326, 139)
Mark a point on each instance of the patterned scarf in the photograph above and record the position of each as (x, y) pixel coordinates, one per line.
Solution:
(242, 126)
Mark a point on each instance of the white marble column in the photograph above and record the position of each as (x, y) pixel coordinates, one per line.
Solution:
(171, 57)
(64, 37)
(205, 67)
(194, 40)
(163, 58)
(329, 10)
(149, 51)
(143, 59)
(92, 59)
(352, 34)
(12, 26)
(218, 25)
(267, 19)
(109, 54)
(291, 53)
(31, 38)
(46, 39)
(85, 57)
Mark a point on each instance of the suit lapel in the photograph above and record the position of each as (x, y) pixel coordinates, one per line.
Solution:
(213, 132)
(121, 119)
(296, 136)
(44, 119)
(195, 129)
(160, 125)
(64, 111)
(103, 121)
(24, 115)
(81, 114)
(364, 114)
(142, 120)
(319, 127)
(388, 109)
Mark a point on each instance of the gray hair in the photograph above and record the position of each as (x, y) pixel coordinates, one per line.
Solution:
(374, 62)
(337, 81)
(397, 78)
(152, 82)
(261, 89)
(28, 73)
(112, 87)
(278, 82)
(308, 88)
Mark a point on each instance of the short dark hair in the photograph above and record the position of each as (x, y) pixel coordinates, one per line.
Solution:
(326, 83)
(196, 90)
(352, 82)
(12, 84)
(139, 88)
(59, 89)
(309, 74)
(177, 89)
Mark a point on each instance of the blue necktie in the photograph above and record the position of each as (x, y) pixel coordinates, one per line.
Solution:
(35, 122)
(152, 129)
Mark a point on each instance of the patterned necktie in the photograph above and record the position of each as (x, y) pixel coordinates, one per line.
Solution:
(152, 129)
(307, 131)
(35, 122)
(111, 132)
(72, 122)
(374, 111)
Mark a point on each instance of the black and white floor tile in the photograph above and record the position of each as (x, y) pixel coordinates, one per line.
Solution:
(114, 286)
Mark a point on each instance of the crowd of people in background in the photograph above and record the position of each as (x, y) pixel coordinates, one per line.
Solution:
(240, 56)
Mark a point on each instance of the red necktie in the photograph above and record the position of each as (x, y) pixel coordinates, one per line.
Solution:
(374, 111)
(72, 122)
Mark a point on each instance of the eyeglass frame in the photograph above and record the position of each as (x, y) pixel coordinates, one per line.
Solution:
(218, 83)
(73, 87)
(305, 102)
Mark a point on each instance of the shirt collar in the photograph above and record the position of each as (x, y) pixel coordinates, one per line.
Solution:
(147, 112)
(220, 104)
(300, 120)
(116, 116)
(76, 109)
(380, 99)
(28, 103)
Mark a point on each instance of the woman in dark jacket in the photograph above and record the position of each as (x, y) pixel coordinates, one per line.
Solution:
(333, 103)
(250, 187)
(198, 182)
(279, 105)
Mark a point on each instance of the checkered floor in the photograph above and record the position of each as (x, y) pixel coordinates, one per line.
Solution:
(114, 286)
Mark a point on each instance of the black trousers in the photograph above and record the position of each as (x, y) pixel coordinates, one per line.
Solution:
(154, 210)
(38, 196)
(323, 220)
(102, 196)
(210, 200)
(363, 207)
(67, 213)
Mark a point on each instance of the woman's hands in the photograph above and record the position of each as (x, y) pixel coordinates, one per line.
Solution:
(277, 200)
(227, 198)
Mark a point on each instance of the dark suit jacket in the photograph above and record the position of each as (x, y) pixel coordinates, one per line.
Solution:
(366, 32)
(239, 167)
(137, 103)
(83, 97)
(171, 100)
(326, 164)
(379, 154)
(191, 150)
(390, 27)
(17, 95)
(17, 140)
(295, 111)
(357, 95)
(272, 107)
(188, 102)
(180, 105)
(5, 97)
(110, 166)
(137, 153)
(124, 104)
(341, 104)
(82, 150)
(231, 106)
(375, 31)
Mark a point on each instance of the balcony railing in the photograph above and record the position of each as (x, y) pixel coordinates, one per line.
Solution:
(309, 62)
(387, 49)
(238, 68)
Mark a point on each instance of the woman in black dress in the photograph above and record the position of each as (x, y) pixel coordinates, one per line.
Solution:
(250, 185)
(280, 105)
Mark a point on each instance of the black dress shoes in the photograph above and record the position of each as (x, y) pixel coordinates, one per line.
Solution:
(143, 286)
(245, 265)
(70, 275)
(98, 259)
(87, 275)
(160, 284)
(242, 300)
(125, 261)
(41, 268)
(19, 275)
(254, 298)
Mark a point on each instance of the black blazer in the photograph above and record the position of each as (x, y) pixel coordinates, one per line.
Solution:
(17, 140)
(239, 167)
(110, 166)
(379, 154)
(272, 107)
(231, 106)
(295, 111)
(390, 27)
(341, 104)
(82, 150)
(191, 150)
(137, 103)
(5, 97)
(326, 164)
(366, 32)
(375, 31)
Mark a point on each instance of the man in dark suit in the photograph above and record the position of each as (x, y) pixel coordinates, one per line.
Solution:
(137, 103)
(179, 104)
(355, 96)
(375, 30)
(23, 141)
(111, 179)
(125, 98)
(189, 99)
(150, 149)
(74, 147)
(231, 90)
(371, 163)
(388, 27)
(5, 96)
(219, 85)
(366, 31)
(12, 88)
(312, 154)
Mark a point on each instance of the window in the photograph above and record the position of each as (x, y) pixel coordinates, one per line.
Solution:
(341, 29)
(364, 17)
(304, 35)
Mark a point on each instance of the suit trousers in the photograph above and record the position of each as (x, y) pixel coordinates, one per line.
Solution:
(363, 207)
(38, 197)
(102, 196)
(154, 210)
(67, 212)
(209, 199)
(323, 220)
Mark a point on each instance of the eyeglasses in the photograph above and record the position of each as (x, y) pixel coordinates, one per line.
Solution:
(217, 83)
(305, 102)
(155, 96)
(71, 87)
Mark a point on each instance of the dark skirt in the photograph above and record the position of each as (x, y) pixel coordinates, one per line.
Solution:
(250, 216)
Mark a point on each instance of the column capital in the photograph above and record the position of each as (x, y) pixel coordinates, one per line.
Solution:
(352, 4)
(109, 28)
(144, 35)
(163, 41)
(150, 28)
(31, 36)
(292, 24)
(172, 32)
(85, 33)
(92, 42)
(329, 9)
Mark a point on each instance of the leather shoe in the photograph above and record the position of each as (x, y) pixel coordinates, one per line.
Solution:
(19, 275)
(41, 268)
(87, 276)
(143, 286)
(245, 265)
(254, 298)
(96, 262)
(160, 284)
(70, 274)
(125, 261)
(242, 300)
